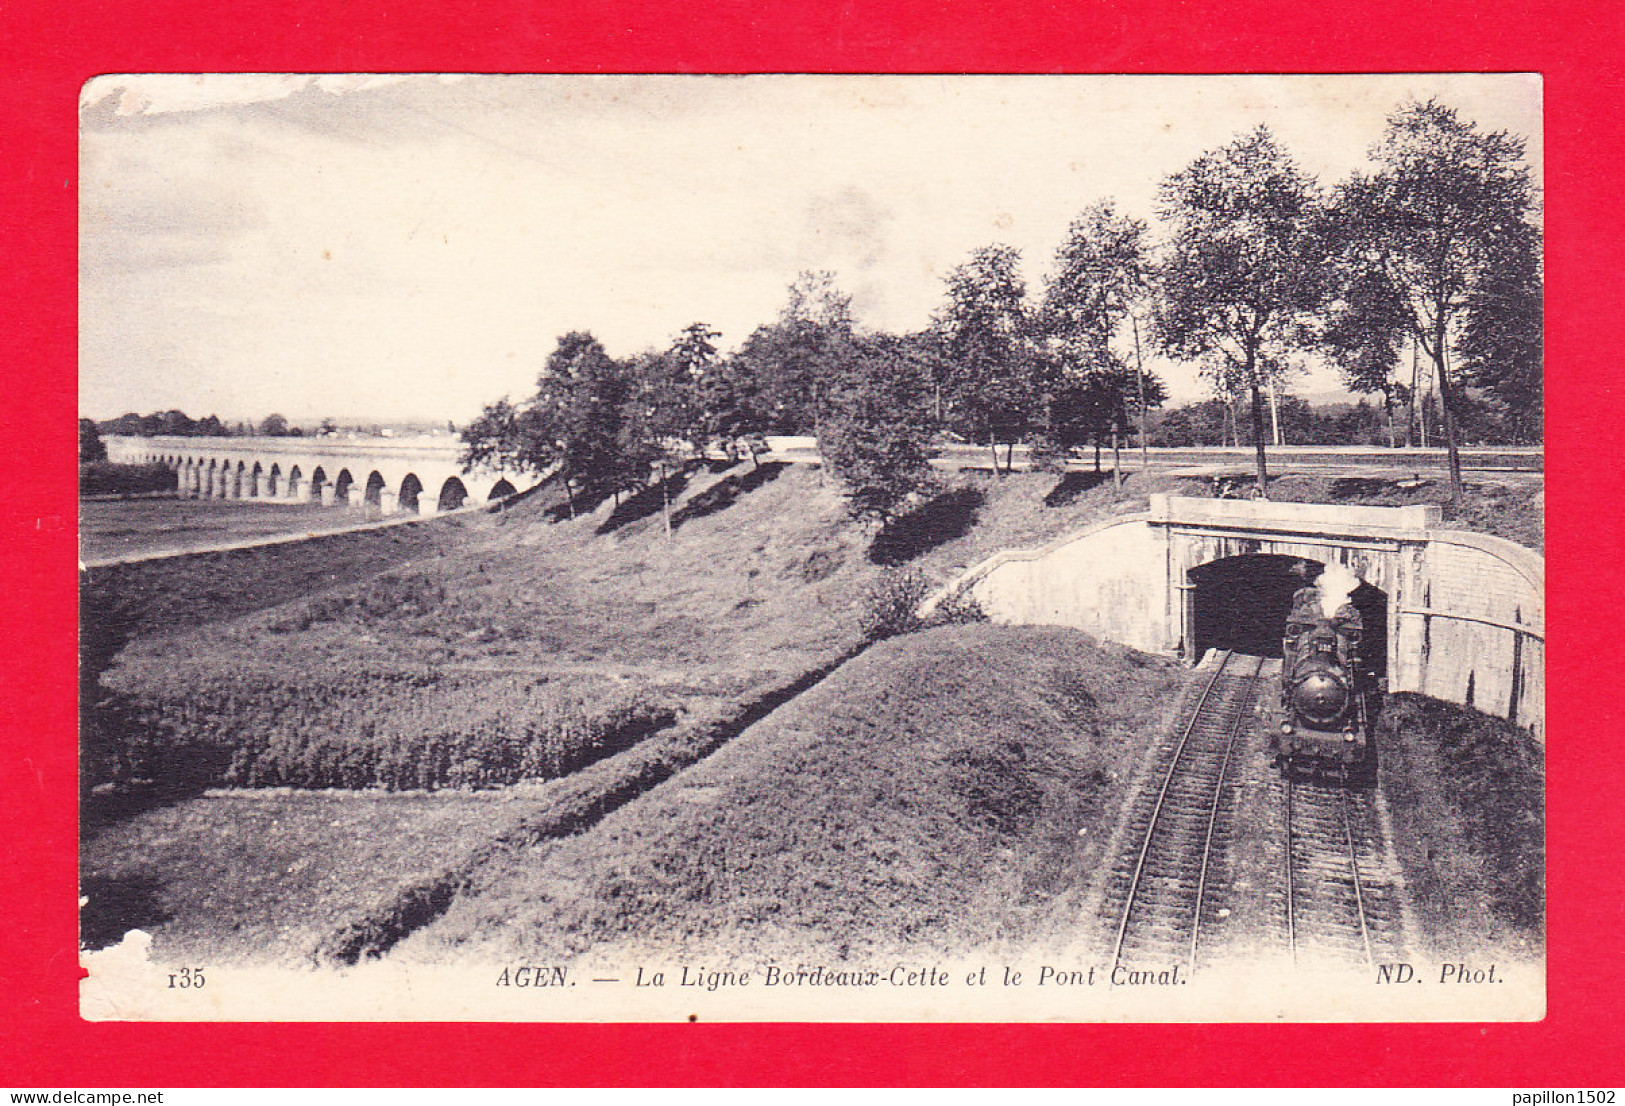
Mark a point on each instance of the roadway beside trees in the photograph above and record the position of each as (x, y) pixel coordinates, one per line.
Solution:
(1430, 263)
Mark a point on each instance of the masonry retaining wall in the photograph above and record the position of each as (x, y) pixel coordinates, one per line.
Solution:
(1466, 611)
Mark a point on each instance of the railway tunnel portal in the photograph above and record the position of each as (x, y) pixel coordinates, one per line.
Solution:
(1458, 616)
(1241, 603)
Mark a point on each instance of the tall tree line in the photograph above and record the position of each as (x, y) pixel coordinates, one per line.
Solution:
(1254, 268)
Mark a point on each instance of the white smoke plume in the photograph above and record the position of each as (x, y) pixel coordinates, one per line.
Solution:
(1336, 585)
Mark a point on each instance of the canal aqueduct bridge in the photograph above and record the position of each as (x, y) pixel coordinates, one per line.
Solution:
(1454, 615)
(385, 475)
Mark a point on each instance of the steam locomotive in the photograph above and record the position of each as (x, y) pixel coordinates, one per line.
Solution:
(1328, 693)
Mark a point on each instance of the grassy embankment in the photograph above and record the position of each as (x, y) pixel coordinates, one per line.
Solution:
(463, 661)
(1511, 510)
(940, 792)
(760, 590)
(1468, 796)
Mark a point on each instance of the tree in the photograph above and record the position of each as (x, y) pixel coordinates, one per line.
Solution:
(1101, 277)
(1187, 424)
(664, 423)
(1242, 273)
(707, 400)
(274, 426)
(175, 422)
(1098, 404)
(492, 441)
(1502, 348)
(985, 374)
(128, 424)
(91, 447)
(1363, 334)
(731, 404)
(1436, 223)
(572, 425)
(878, 432)
(782, 373)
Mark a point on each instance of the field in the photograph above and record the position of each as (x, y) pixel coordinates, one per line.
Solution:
(268, 875)
(545, 692)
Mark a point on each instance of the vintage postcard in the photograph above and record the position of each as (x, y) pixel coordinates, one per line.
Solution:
(812, 548)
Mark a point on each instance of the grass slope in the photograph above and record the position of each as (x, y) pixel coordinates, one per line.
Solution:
(760, 589)
(762, 580)
(455, 632)
(1512, 510)
(738, 598)
(941, 791)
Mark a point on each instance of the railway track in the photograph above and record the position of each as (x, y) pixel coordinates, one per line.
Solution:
(1168, 886)
(1343, 904)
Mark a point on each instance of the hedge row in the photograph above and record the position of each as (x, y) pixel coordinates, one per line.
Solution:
(261, 727)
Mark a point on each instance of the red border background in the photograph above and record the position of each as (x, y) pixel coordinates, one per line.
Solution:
(48, 50)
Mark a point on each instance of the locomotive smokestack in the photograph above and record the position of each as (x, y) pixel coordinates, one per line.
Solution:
(1336, 585)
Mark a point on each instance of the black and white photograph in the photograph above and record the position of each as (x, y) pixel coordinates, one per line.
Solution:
(812, 548)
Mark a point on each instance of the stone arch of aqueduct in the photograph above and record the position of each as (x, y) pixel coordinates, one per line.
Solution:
(378, 475)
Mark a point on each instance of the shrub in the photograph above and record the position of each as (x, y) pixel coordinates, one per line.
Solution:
(892, 604)
(392, 596)
(957, 608)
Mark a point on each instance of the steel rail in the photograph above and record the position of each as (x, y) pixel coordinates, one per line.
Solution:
(1354, 867)
(1234, 729)
(1351, 856)
(1162, 795)
(1291, 903)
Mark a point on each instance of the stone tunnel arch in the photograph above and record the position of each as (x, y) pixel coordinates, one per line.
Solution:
(411, 489)
(453, 494)
(501, 490)
(373, 494)
(295, 482)
(318, 483)
(341, 488)
(256, 480)
(273, 480)
(1242, 602)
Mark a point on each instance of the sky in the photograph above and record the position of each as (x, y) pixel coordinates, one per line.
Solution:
(410, 247)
